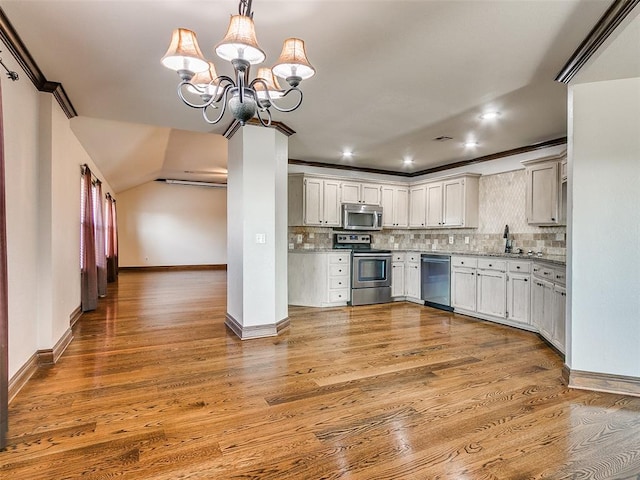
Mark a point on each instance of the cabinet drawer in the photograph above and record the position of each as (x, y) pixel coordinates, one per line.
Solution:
(520, 267)
(341, 295)
(339, 282)
(397, 257)
(338, 270)
(492, 264)
(546, 273)
(559, 276)
(413, 257)
(469, 262)
(339, 258)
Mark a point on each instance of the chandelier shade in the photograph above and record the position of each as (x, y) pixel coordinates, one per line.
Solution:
(293, 61)
(203, 83)
(274, 89)
(184, 53)
(240, 41)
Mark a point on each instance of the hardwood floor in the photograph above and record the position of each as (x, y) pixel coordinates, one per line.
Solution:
(154, 387)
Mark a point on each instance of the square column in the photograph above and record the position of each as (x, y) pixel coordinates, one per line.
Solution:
(257, 303)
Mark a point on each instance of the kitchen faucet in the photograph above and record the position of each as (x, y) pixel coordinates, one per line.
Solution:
(507, 243)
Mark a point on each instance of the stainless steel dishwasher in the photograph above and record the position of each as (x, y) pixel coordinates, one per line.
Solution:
(436, 281)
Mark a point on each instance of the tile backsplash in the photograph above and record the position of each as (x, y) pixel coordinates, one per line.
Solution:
(502, 202)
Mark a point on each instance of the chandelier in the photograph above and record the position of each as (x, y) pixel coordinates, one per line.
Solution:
(239, 46)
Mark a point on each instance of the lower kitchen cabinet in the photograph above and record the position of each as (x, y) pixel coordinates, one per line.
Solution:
(559, 316)
(519, 297)
(463, 283)
(319, 279)
(405, 277)
(491, 278)
(548, 304)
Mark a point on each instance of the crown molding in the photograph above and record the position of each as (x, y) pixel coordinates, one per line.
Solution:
(18, 49)
(462, 163)
(613, 17)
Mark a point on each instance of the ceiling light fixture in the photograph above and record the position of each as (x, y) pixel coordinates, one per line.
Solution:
(407, 160)
(240, 47)
(347, 154)
(490, 115)
(470, 144)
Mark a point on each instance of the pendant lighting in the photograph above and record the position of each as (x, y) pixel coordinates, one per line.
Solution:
(239, 46)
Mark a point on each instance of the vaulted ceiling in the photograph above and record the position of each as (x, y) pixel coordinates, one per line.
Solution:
(391, 77)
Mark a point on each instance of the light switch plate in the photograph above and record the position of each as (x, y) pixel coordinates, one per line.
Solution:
(450, 239)
(466, 240)
(261, 238)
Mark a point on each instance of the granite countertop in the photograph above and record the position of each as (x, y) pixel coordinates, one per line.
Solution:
(550, 259)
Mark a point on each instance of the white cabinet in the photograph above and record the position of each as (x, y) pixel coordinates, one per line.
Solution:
(412, 276)
(397, 276)
(395, 206)
(356, 192)
(491, 298)
(319, 279)
(449, 203)
(543, 202)
(314, 201)
(463, 283)
(417, 206)
(548, 303)
(519, 292)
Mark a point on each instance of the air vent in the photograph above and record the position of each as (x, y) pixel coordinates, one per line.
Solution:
(442, 138)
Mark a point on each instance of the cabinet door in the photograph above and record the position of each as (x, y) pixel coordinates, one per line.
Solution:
(401, 207)
(559, 321)
(331, 203)
(387, 200)
(350, 192)
(453, 203)
(418, 206)
(370, 194)
(542, 306)
(397, 280)
(491, 293)
(519, 298)
(313, 202)
(463, 288)
(542, 194)
(434, 204)
(413, 280)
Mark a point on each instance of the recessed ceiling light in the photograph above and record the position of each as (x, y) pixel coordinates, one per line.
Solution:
(407, 160)
(347, 154)
(470, 144)
(490, 115)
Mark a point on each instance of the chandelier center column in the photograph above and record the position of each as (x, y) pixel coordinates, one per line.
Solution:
(257, 303)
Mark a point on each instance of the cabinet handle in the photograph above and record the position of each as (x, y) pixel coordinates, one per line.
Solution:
(518, 267)
(461, 263)
(490, 265)
(553, 219)
(339, 271)
(526, 280)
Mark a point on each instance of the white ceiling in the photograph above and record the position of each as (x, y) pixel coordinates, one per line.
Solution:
(391, 76)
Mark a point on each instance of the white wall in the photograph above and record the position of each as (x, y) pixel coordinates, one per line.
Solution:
(42, 168)
(605, 227)
(163, 224)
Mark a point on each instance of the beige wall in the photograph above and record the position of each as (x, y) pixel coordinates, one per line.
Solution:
(43, 159)
(168, 224)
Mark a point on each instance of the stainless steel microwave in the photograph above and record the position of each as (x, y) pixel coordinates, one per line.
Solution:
(361, 217)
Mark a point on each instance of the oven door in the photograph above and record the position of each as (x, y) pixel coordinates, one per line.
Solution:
(371, 270)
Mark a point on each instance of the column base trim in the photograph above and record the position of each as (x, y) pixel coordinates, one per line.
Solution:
(22, 376)
(602, 382)
(257, 331)
(75, 316)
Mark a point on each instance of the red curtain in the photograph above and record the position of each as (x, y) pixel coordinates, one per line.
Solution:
(4, 301)
(111, 239)
(101, 253)
(88, 268)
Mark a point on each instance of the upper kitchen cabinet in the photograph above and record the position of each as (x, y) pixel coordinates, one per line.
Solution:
(314, 201)
(448, 203)
(395, 206)
(544, 187)
(364, 193)
(418, 206)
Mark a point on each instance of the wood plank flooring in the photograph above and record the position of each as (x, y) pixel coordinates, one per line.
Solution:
(154, 386)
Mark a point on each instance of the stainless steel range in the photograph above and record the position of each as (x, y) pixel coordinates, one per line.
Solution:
(370, 269)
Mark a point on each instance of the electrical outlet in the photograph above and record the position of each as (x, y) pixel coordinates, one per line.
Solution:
(261, 238)
(391, 239)
(299, 238)
(433, 246)
(450, 239)
(466, 240)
